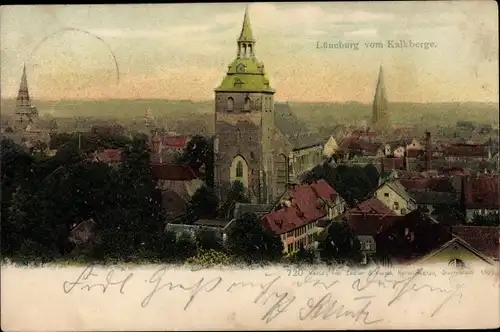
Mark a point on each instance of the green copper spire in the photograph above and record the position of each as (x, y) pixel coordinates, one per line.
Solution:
(246, 29)
(246, 72)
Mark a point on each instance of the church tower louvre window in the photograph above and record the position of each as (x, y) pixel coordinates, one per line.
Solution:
(238, 83)
(230, 103)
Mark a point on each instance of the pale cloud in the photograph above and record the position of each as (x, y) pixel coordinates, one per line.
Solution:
(361, 33)
(182, 50)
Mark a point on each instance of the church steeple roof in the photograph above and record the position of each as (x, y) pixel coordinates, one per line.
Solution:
(246, 29)
(23, 97)
(380, 104)
(246, 72)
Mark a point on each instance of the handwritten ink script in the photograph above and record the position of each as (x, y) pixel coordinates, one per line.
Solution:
(353, 295)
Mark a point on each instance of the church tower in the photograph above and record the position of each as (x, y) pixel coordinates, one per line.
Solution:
(244, 123)
(25, 114)
(380, 119)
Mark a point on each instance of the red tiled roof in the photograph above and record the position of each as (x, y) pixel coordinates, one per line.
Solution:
(371, 224)
(483, 239)
(372, 206)
(174, 172)
(465, 150)
(324, 190)
(307, 206)
(175, 141)
(109, 155)
(482, 192)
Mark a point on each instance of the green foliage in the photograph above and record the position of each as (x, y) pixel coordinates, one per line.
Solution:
(199, 153)
(448, 215)
(303, 256)
(208, 240)
(247, 238)
(88, 141)
(341, 245)
(209, 258)
(234, 194)
(203, 204)
(353, 183)
(185, 247)
(66, 189)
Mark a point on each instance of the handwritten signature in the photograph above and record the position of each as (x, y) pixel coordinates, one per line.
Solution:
(406, 285)
(327, 307)
(195, 289)
(86, 281)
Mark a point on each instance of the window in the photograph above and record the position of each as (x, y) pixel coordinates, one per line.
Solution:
(240, 68)
(367, 245)
(239, 169)
(238, 135)
(396, 206)
(246, 107)
(403, 211)
(457, 263)
(230, 104)
(238, 84)
(386, 194)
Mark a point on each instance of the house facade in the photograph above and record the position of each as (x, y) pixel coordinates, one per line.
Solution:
(394, 195)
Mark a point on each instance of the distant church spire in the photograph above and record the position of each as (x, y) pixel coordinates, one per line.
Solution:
(380, 118)
(23, 96)
(25, 112)
(246, 42)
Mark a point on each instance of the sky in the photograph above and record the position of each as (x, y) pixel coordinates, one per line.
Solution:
(181, 51)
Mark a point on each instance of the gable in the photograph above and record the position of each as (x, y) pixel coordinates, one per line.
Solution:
(455, 249)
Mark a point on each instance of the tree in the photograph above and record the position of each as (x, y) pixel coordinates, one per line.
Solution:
(341, 245)
(203, 204)
(185, 247)
(208, 240)
(353, 183)
(249, 240)
(199, 153)
(235, 194)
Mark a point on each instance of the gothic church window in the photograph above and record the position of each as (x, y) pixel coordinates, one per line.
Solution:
(239, 169)
(230, 104)
(246, 107)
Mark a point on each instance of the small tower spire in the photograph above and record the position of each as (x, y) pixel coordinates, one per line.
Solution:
(380, 105)
(246, 42)
(23, 97)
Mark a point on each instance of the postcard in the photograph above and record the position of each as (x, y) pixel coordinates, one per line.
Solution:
(260, 166)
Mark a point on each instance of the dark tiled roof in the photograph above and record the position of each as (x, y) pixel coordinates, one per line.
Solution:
(371, 224)
(389, 164)
(439, 184)
(211, 222)
(434, 197)
(174, 172)
(482, 192)
(466, 150)
(483, 239)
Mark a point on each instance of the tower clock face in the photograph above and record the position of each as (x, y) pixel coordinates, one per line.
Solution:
(240, 68)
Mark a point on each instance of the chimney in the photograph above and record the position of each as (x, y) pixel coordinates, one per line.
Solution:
(428, 151)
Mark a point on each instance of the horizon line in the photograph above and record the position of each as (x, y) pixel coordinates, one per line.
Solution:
(277, 101)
